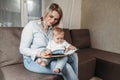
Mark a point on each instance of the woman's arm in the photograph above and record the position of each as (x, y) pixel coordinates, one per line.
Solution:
(26, 40)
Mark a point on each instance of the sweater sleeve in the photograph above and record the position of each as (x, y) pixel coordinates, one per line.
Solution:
(26, 41)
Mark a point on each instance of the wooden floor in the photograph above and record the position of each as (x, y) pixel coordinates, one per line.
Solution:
(96, 78)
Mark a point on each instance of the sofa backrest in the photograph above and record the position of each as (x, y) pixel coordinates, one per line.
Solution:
(80, 38)
(9, 45)
(67, 36)
(10, 40)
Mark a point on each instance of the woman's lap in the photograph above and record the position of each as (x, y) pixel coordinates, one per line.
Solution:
(34, 67)
(67, 72)
(73, 61)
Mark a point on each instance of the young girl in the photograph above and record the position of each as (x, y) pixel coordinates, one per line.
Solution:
(57, 46)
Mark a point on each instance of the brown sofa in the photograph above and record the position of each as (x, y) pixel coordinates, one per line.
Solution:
(107, 63)
(92, 62)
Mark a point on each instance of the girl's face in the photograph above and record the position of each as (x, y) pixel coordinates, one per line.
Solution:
(58, 38)
(52, 18)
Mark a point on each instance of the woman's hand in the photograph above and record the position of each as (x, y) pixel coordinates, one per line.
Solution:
(44, 55)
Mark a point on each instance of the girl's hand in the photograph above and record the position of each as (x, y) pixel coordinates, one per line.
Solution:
(66, 50)
(71, 47)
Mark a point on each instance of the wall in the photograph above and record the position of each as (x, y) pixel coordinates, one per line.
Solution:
(102, 18)
(71, 11)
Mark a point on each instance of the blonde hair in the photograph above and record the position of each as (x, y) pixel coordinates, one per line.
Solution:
(57, 31)
(51, 8)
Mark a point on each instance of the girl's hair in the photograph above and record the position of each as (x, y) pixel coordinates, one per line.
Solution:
(51, 8)
(57, 31)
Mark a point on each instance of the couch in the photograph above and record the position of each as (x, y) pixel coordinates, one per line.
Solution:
(92, 62)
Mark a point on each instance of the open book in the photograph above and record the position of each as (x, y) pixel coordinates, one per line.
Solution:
(62, 55)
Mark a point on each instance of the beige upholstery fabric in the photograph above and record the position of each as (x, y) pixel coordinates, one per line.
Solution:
(9, 46)
(20, 73)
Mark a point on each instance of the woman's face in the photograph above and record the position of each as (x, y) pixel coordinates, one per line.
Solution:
(52, 18)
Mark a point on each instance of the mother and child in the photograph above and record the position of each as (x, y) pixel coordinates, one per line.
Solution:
(43, 37)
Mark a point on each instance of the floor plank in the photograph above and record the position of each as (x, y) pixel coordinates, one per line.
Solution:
(96, 78)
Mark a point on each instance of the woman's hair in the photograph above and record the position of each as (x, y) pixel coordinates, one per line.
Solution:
(57, 31)
(51, 8)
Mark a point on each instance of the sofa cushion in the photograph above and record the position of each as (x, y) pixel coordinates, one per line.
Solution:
(18, 72)
(100, 54)
(107, 63)
(86, 67)
(80, 38)
(9, 45)
(1, 75)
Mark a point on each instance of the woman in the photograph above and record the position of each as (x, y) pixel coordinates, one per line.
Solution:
(34, 39)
